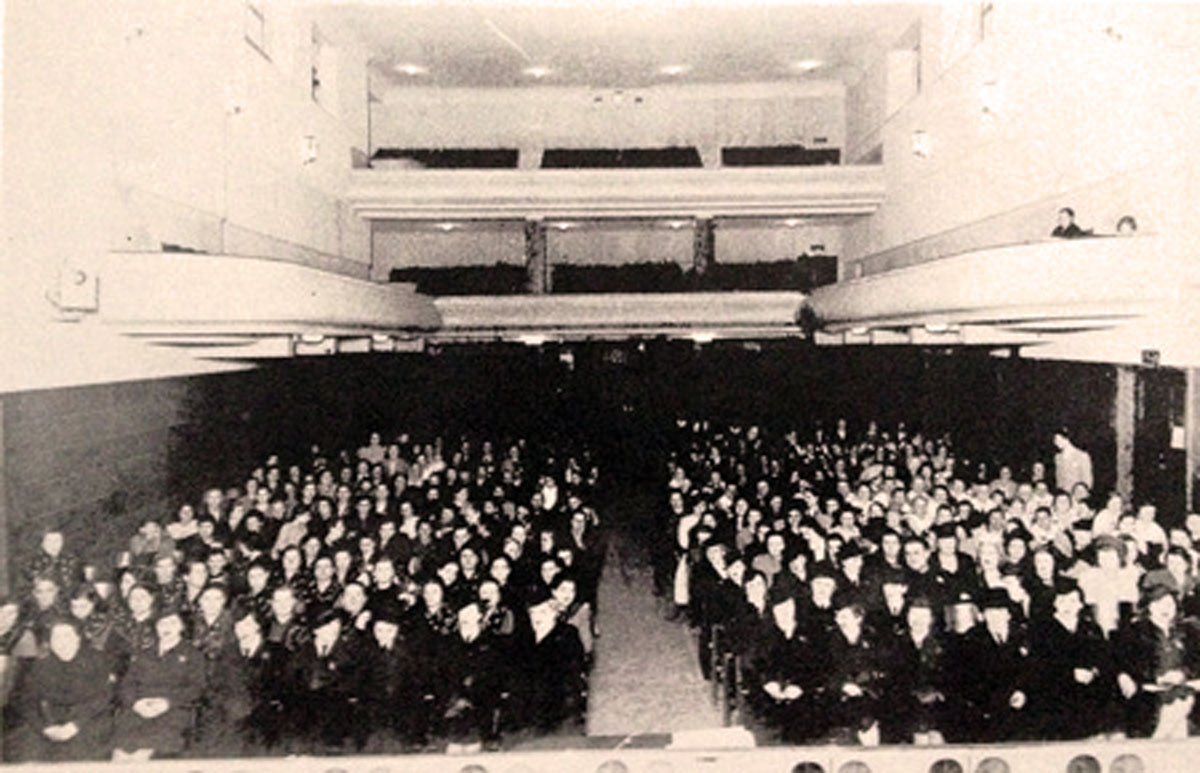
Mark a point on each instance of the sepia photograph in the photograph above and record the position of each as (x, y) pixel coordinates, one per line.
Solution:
(527, 386)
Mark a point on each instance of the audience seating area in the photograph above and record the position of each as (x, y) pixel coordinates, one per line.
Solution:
(867, 588)
(407, 596)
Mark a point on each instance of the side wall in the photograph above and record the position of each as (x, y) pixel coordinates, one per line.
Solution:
(1056, 105)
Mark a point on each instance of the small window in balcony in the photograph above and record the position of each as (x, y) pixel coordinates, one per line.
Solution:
(450, 158)
(624, 158)
(779, 155)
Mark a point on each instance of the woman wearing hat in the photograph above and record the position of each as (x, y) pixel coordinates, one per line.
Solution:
(1160, 667)
(1110, 587)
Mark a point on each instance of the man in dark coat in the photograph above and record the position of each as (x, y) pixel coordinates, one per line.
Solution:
(1001, 671)
(158, 696)
(394, 694)
(330, 677)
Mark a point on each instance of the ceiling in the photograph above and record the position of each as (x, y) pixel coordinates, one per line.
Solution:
(615, 45)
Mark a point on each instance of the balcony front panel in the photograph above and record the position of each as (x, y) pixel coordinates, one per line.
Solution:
(377, 194)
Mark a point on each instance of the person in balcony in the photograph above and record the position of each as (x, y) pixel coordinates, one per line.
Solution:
(1066, 228)
(1127, 226)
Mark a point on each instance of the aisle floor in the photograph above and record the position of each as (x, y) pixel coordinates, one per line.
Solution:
(646, 677)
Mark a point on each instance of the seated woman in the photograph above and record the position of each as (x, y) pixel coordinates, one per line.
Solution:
(554, 664)
(784, 676)
(1160, 668)
(158, 695)
(68, 695)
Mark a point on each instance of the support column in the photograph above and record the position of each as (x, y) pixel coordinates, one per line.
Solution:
(1191, 423)
(1124, 426)
(529, 158)
(710, 156)
(4, 554)
(703, 245)
(536, 263)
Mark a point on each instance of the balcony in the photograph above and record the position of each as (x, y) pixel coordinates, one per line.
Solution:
(1104, 299)
(423, 194)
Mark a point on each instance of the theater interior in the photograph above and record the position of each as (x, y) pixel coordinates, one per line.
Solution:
(236, 228)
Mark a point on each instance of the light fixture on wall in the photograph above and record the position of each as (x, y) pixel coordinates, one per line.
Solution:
(922, 144)
(308, 149)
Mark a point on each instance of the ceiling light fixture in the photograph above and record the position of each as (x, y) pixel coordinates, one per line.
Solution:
(674, 69)
(807, 65)
(447, 226)
(791, 222)
(537, 71)
(562, 226)
(408, 68)
(703, 337)
(533, 339)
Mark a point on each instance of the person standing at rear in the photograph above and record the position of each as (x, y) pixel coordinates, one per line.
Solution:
(1072, 464)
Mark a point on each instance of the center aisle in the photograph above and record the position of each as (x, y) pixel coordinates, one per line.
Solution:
(646, 678)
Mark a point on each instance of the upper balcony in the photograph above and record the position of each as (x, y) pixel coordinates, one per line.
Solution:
(806, 191)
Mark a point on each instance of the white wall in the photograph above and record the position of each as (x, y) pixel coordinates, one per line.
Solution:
(1104, 121)
(144, 122)
(704, 116)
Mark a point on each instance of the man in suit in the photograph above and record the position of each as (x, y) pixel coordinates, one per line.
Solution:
(998, 690)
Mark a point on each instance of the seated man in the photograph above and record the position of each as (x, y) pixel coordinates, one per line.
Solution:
(330, 680)
(69, 702)
(1066, 228)
(158, 695)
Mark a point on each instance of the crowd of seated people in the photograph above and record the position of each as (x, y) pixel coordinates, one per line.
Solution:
(871, 587)
(407, 597)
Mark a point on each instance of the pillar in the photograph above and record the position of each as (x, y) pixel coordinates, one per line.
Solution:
(4, 555)
(529, 158)
(1124, 426)
(703, 245)
(710, 156)
(536, 262)
(1192, 428)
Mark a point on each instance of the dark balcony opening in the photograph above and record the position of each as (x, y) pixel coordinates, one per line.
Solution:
(626, 158)
(803, 274)
(500, 279)
(452, 158)
(779, 155)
